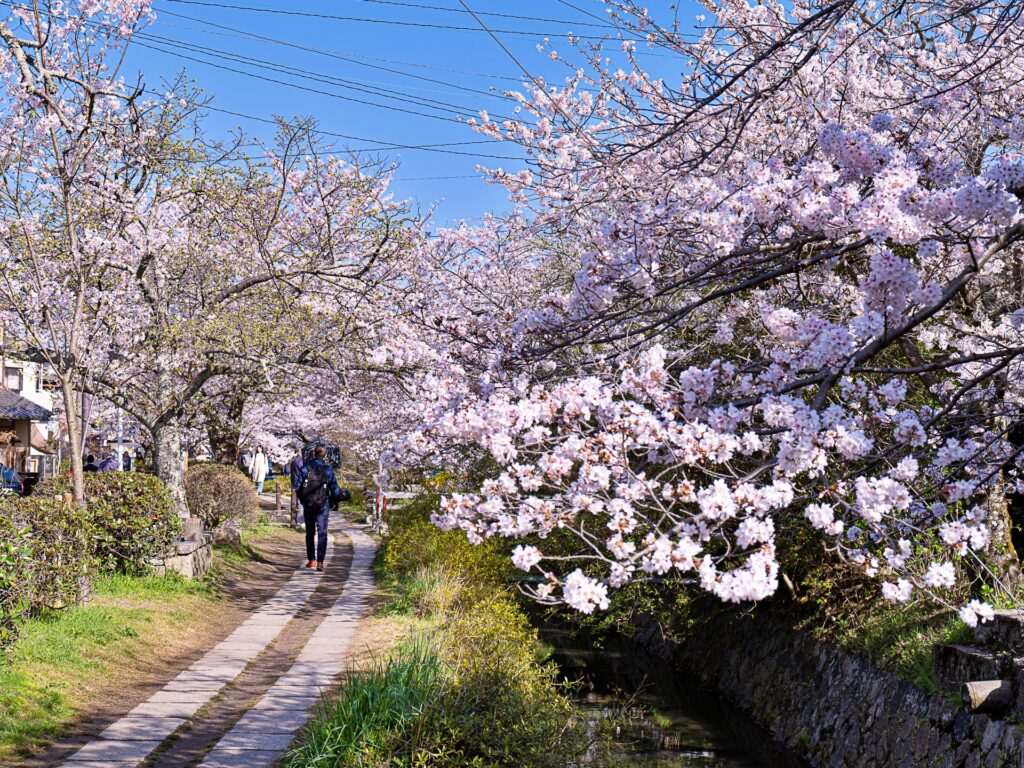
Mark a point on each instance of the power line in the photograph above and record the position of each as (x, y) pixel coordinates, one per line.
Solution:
(383, 145)
(604, 22)
(335, 55)
(349, 137)
(396, 22)
(320, 77)
(519, 64)
(320, 91)
(489, 13)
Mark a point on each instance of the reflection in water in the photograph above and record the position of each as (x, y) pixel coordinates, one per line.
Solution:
(657, 718)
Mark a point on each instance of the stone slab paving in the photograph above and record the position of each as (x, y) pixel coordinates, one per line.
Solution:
(130, 740)
(262, 735)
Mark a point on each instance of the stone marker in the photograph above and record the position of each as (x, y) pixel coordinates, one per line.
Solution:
(992, 697)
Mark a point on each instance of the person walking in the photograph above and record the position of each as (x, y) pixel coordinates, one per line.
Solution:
(245, 461)
(259, 469)
(294, 473)
(90, 464)
(318, 492)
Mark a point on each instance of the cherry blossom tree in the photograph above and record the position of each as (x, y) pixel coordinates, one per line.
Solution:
(65, 132)
(240, 272)
(790, 295)
(143, 263)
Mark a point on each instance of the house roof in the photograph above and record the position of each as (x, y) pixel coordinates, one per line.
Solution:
(14, 406)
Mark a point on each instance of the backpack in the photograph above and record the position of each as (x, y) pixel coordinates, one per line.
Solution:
(314, 492)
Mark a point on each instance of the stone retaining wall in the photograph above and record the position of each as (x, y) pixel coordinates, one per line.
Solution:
(192, 559)
(832, 707)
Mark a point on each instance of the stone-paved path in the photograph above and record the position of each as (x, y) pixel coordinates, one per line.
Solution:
(200, 707)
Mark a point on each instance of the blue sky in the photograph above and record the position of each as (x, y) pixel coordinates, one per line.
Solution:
(355, 65)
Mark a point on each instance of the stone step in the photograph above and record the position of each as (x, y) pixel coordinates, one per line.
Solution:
(1005, 632)
(953, 665)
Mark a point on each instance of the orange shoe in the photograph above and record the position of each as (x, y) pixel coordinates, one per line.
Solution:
(320, 565)
(311, 564)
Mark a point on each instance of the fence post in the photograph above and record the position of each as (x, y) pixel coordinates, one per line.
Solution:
(277, 490)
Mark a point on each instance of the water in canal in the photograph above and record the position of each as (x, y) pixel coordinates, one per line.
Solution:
(656, 718)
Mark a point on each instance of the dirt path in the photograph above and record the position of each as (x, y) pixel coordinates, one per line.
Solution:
(244, 586)
(244, 701)
(194, 740)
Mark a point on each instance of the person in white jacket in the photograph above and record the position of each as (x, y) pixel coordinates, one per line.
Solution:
(259, 468)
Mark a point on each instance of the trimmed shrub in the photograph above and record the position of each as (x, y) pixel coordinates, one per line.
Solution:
(15, 586)
(46, 558)
(217, 492)
(131, 517)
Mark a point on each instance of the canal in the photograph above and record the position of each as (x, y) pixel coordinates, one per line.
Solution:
(655, 717)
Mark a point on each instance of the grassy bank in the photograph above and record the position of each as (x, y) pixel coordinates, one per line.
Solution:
(64, 657)
(465, 686)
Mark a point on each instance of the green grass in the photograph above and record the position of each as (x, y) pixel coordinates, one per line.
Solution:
(62, 656)
(260, 529)
(375, 713)
(900, 638)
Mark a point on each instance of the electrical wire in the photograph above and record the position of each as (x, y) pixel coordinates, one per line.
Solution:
(384, 145)
(396, 22)
(306, 74)
(350, 137)
(489, 13)
(296, 86)
(349, 58)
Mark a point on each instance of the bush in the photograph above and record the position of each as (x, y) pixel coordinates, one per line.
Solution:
(501, 706)
(15, 560)
(414, 543)
(217, 492)
(46, 558)
(131, 517)
(469, 692)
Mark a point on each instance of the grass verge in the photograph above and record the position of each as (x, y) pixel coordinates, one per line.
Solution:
(465, 687)
(53, 671)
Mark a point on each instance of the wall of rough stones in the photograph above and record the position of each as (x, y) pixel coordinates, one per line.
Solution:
(831, 707)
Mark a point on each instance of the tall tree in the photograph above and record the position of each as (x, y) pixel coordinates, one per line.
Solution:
(66, 129)
(791, 297)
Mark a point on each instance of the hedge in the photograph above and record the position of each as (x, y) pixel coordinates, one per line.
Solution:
(130, 517)
(46, 558)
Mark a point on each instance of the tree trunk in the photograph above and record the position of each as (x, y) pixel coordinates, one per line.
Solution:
(74, 441)
(1003, 557)
(224, 426)
(168, 461)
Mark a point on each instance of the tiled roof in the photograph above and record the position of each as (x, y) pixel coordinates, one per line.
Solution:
(14, 406)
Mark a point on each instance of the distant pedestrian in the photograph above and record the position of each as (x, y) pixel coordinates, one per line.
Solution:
(259, 469)
(90, 464)
(295, 475)
(318, 493)
(245, 461)
(109, 464)
(126, 462)
(10, 481)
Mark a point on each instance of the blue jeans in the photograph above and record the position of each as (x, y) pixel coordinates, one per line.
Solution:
(259, 486)
(316, 523)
